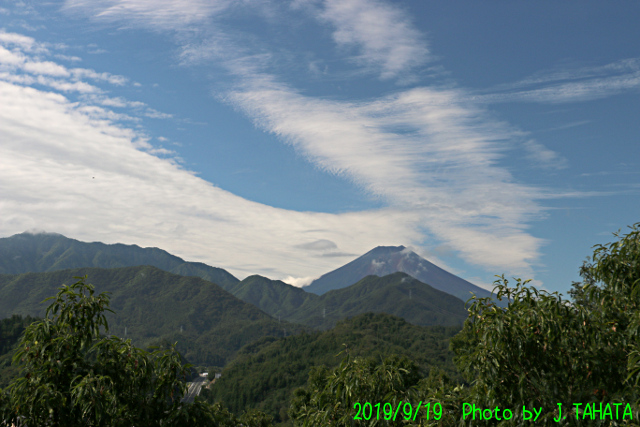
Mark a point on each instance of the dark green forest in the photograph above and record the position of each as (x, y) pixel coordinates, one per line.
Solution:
(11, 330)
(274, 297)
(263, 374)
(155, 306)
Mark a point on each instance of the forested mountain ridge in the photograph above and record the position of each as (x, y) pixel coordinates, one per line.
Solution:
(45, 252)
(398, 294)
(275, 297)
(542, 352)
(264, 373)
(208, 323)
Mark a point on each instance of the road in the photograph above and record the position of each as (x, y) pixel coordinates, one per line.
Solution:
(194, 389)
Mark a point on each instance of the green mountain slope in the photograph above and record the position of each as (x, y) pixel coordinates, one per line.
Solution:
(398, 294)
(209, 324)
(264, 374)
(44, 252)
(274, 297)
(11, 330)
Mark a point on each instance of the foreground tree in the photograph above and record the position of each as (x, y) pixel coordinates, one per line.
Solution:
(542, 350)
(72, 375)
(331, 395)
(367, 392)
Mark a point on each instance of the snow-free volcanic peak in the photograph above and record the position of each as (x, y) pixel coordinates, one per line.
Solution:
(384, 260)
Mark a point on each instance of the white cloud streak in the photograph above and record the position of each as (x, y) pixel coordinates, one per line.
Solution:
(382, 34)
(153, 14)
(577, 85)
(424, 151)
(24, 42)
(22, 53)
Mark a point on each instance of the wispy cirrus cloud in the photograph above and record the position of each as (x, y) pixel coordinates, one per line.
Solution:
(570, 85)
(65, 159)
(24, 61)
(153, 14)
(22, 54)
(383, 35)
(425, 151)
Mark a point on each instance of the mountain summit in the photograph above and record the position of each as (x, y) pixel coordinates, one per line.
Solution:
(385, 260)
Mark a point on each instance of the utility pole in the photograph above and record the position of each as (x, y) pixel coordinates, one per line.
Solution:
(125, 331)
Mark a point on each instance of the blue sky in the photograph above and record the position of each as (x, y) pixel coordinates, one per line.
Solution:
(285, 138)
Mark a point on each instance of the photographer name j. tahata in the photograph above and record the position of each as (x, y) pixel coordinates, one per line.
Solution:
(588, 411)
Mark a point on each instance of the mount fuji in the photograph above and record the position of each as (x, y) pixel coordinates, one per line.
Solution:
(385, 260)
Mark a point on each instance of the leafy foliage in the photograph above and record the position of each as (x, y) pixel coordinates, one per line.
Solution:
(330, 395)
(71, 374)
(617, 267)
(265, 373)
(542, 350)
(397, 393)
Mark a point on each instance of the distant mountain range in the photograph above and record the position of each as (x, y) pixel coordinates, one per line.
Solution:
(391, 280)
(385, 260)
(209, 324)
(42, 252)
(275, 297)
(159, 298)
